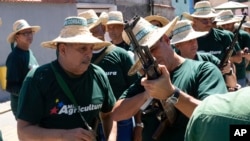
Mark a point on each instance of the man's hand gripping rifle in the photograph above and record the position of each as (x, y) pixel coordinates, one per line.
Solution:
(166, 111)
(230, 49)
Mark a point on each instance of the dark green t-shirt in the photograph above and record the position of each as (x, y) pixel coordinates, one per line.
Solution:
(244, 41)
(203, 56)
(19, 63)
(116, 64)
(211, 120)
(198, 79)
(43, 102)
(216, 42)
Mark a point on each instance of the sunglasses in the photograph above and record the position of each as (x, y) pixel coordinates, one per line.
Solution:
(205, 21)
(28, 33)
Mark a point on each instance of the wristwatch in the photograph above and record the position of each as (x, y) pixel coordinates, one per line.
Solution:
(174, 97)
(140, 125)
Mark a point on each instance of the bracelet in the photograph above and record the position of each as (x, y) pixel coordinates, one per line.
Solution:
(140, 125)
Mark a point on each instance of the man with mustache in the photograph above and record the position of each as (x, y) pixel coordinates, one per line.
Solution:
(184, 40)
(63, 99)
(115, 63)
(183, 83)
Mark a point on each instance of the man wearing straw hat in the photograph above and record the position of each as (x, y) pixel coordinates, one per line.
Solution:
(216, 41)
(185, 40)
(116, 62)
(20, 60)
(115, 26)
(227, 22)
(187, 81)
(157, 20)
(63, 99)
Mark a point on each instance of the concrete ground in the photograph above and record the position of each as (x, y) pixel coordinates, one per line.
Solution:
(7, 122)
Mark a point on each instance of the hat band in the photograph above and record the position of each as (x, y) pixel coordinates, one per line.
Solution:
(182, 29)
(91, 20)
(226, 17)
(75, 21)
(144, 31)
(203, 9)
(115, 19)
(20, 26)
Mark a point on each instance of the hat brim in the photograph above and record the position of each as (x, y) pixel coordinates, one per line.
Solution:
(233, 20)
(150, 41)
(11, 36)
(164, 21)
(192, 35)
(114, 22)
(191, 16)
(103, 19)
(82, 39)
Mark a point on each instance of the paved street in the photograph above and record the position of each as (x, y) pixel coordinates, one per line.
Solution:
(7, 122)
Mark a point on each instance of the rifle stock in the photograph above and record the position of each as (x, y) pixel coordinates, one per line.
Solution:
(230, 49)
(152, 71)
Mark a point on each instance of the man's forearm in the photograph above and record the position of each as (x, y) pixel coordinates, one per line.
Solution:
(128, 107)
(35, 133)
(109, 127)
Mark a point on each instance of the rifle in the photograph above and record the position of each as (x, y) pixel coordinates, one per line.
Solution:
(166, 112)
(230, 49)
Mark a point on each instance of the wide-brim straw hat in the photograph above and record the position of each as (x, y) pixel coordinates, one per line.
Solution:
(92, 19)
(202, 9)
(164, 21)
(19, 26)
(227, 17)
(183, 31)
(246, 24)
(75, 30)
(147, 35)
(115, 17)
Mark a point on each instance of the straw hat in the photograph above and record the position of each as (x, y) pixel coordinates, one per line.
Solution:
(0, 21)
(115, 17)
(227, 17)
(19, 26)
(92, 19)
(183, 31)
(164, 21)
(202, 9)
(246, 24)
(147, 35)
(75, 30)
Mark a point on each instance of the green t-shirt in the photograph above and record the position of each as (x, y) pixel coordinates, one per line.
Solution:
(211, 120)
(199, 79)
(116, 64)
(216, 42)
(43, 102)
(203, 56)
(244, 41)
(19, 63)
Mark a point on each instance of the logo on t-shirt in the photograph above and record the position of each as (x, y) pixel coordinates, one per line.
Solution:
(70, 109)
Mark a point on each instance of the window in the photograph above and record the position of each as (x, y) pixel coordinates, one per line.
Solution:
(97, 7)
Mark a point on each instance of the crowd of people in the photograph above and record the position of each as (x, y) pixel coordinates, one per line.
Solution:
(95, 89)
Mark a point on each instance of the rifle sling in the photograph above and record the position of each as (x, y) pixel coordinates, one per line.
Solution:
(68, 93)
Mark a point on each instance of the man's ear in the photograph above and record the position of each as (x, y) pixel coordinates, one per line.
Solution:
(61, 48)
(166, 38)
